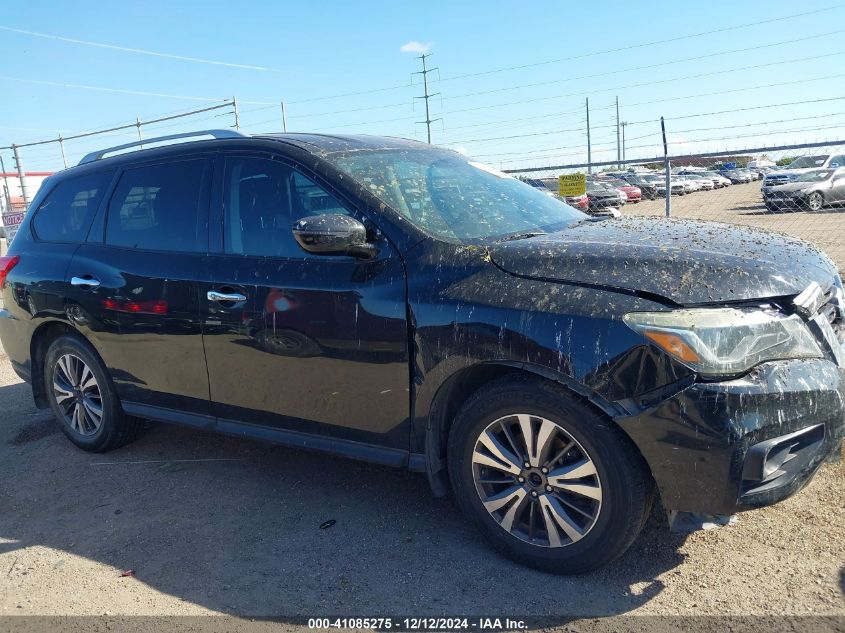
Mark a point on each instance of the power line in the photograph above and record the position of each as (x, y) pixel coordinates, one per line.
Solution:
(657, 131)
(506, 138)
(748, 108)
(680, 157)
(345, 111)
(723, 92)
(121, 90)
(646, 44)
(758, 134)
(123, 127)
(649, 83)
(685, 142)
(582, 56)
(142, 93)
(647, 66)
(138, 51)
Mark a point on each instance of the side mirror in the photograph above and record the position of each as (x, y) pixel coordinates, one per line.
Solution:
(333, 234)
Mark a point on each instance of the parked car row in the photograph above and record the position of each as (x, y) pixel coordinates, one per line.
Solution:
(607, 192)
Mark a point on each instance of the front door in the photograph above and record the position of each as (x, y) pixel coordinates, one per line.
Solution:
(307, 343)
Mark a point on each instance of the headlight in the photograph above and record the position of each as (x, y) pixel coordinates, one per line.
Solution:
(725, 341)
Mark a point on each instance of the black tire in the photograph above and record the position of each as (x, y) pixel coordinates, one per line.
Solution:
(815, 202)
(625, 484)
(115, 427)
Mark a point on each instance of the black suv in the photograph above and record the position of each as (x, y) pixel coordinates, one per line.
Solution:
(388, 300)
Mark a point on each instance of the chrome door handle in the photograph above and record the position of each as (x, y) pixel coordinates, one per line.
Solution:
(221, 297)
(85, 283)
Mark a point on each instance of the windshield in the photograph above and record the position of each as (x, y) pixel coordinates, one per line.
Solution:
(817, 175)
(808, 161)
(445, 195)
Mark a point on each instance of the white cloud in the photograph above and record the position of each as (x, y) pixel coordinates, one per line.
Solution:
(416, 47)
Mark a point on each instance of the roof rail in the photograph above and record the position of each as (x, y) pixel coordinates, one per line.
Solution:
(90, 158)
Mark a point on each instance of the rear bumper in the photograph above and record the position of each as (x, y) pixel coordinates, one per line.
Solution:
(718, 448)
(791, 202)
(15, 336)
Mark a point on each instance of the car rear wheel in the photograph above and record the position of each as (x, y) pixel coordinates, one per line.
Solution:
(83, 398)
(551, 483)
(815, 201)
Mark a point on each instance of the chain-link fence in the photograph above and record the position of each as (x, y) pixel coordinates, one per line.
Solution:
(797, 189)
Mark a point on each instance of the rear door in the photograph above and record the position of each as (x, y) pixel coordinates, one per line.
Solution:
(137, 279)
(301, 342)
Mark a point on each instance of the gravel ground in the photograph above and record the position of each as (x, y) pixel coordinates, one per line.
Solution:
(212, 524)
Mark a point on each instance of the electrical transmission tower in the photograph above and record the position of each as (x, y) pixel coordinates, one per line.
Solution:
(424, 72)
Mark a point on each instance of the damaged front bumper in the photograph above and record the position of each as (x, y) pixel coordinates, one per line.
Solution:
(721, 447)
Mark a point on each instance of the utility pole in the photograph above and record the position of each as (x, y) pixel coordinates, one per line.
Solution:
(6, 193)
(623, 124)
(21, 175)
(618, 146)
(235, 108)
(668, 169)
(284, 118)
(62, 147)
(138, 125)
(428, 120)
(589, 147)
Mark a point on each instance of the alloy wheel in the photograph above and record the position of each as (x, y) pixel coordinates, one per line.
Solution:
(536, 480)
(815, 201)
(78, 395)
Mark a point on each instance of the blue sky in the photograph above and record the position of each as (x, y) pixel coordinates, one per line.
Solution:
(309, 52)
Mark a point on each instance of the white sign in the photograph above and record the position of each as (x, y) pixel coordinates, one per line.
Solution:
(11, 222)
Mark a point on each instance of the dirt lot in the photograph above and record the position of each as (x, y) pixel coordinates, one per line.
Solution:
(212, 524)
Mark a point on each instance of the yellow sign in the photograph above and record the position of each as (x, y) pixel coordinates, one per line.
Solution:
(570, 185)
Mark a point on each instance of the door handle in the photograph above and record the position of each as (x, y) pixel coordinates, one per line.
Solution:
(220, 297)
(84, 283)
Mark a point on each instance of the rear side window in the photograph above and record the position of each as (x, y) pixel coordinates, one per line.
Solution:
(66, 214)
(158, 208)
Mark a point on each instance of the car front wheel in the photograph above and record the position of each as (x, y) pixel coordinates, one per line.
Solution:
(815, 201)
(550, 482)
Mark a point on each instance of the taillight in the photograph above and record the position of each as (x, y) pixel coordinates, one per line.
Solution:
(6, 265)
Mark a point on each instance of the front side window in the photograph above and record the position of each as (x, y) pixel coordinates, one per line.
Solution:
(67, 212)
(262, 199)
(457, 200)
(157, 208)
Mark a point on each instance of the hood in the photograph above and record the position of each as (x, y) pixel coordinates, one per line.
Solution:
(682, 261)
(795, 186)
(789, 175)
(603, 193)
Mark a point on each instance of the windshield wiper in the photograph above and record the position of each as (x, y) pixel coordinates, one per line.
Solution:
(522, 236)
